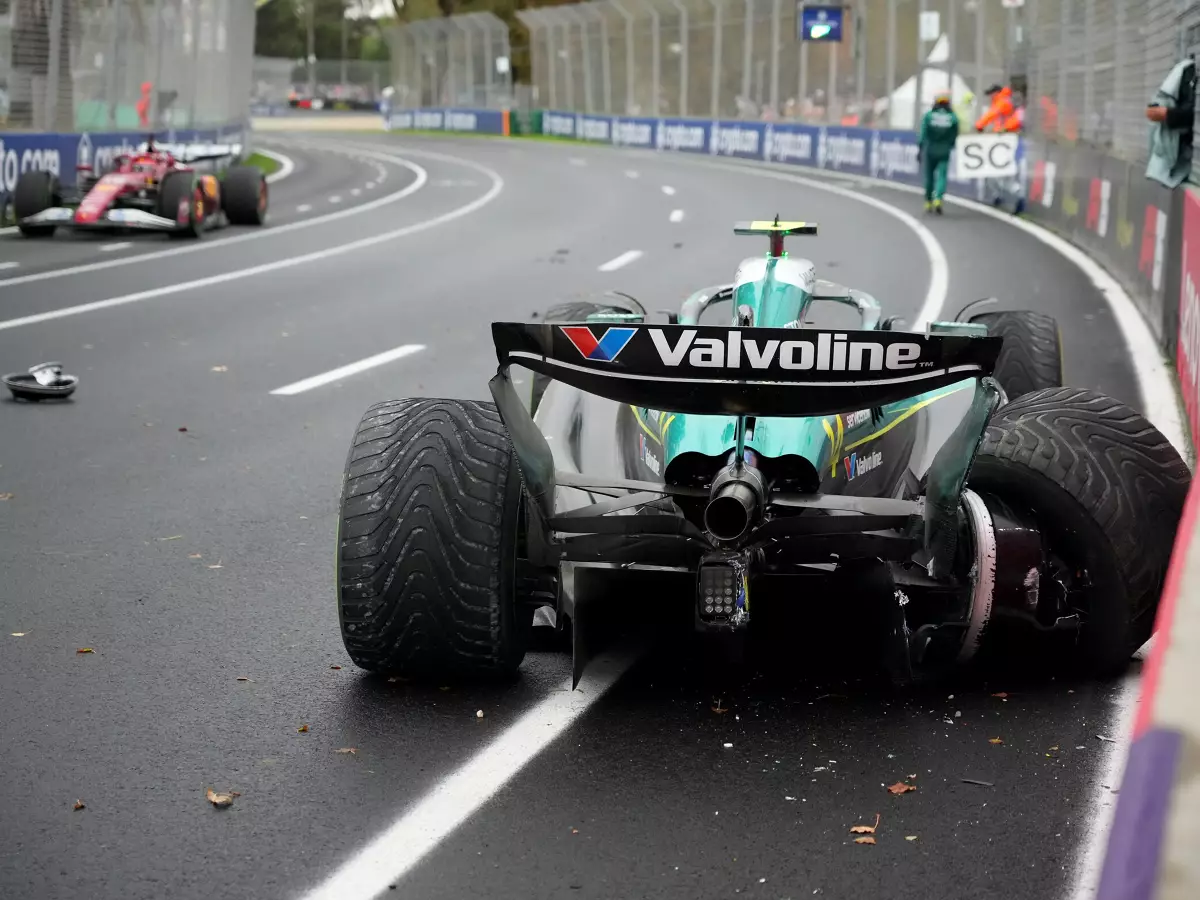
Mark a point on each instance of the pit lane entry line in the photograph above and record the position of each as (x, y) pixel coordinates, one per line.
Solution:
(268, 232)
(287, 262)
(378, 866)
(379, 359)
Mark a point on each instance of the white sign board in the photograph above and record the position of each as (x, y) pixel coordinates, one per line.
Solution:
(985, 156)
(931, 26)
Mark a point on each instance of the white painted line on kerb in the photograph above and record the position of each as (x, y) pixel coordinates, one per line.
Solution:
(257, 235)
(668, 190)
(362, 365)
(288, 262)
(619, 262)
(120, 245)
(462, 794)
(676, 215)
(285, 163)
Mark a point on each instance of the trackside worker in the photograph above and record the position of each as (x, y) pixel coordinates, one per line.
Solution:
(999, 112)
(939, 131)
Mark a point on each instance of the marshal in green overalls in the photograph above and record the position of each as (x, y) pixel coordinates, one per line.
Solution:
(939, 131)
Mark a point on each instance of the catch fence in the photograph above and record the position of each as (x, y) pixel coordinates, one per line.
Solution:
(106, 65)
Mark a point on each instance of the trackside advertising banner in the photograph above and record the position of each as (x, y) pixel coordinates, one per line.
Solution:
(61, 153)
(1187, 359)
(473, 121)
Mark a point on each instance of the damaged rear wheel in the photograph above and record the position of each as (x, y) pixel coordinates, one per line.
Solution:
(1106, 490)
(427, 552)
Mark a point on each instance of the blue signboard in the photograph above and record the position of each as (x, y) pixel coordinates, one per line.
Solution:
(820, 22)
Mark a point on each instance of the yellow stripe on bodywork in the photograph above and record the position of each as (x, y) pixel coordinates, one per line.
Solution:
(661, 435)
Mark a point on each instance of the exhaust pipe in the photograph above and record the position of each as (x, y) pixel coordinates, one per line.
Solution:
(736, 503)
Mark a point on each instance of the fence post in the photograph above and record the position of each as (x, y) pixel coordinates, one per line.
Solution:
(683, 57)
(891, 58)
(747, 47)
(718, 28)
(605, 60)
(773, 92)
(52, 73)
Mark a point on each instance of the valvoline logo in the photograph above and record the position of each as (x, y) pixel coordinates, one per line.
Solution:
(602, 349)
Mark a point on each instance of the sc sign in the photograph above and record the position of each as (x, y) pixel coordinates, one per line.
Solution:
(986, 156)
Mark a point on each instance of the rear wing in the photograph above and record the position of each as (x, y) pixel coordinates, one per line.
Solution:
(722, 370)
(195, 152)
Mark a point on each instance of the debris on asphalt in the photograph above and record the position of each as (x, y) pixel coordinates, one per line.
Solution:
(864, 840)
(865, 829)
(174, 537)
(220, 368)
(335, 667)
(216, 565)
(303, 729)
(19, 633)
(901, 788)
(976, 781)
(995, 740)
(85, 650)
(958, 714)
(479, 713)
(195, 556)
(220, 801)
(574, 831)
(910, 837)
(182, 428)
(789, 798)
(728, 745)
(79, 805)
(353, 751)
(7, 496)
(719, 708)
(44, 381)
(1108, 740)
(1001, 695)
(242, 678)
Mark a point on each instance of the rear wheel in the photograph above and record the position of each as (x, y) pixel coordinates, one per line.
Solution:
(35, 192)
(427, 555)
(244, 195)
(1107, 491)
(177, 188)
(1031, 358)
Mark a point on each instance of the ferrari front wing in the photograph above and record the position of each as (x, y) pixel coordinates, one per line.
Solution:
(64, 217)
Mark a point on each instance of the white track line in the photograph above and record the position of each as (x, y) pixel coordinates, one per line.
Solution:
(668, 190)
(9, 265)
(370, 185)
(269, 232)
(461, 795)
(676, 215)
(576, 161)
(632, 173)
(120, 245)
(288, 262)
(620, 261)
(286, 165)
(346, 371)
(336, 198)
(304, 207)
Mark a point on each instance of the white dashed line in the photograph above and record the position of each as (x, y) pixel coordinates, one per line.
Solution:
(668, 190)
(676, 215)
(336, 198)
(362, 365)
(631, 173)
(9, 265)
(576, 161)
(120, 245)
(304, 207)
(457, 798)
(370, 185)
(354, 192)
(623, 260)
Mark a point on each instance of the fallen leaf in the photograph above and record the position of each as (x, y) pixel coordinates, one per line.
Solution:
(865, 829)
(79, 805)
(864, 840)
(1002, 695)
(242, 678)
(220, 368)
(195, 556)
(174, 537)
(335, 667)
(85, 650)
(901, 788)
(220, 801)
(303, 729)
(910, 837)
(351, 750)
(995, 740)
(7, 496)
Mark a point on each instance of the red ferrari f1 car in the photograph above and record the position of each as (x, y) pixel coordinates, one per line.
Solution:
(157, 188)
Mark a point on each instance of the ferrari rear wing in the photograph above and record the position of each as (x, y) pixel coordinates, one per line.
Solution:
(722, 370)
(196, 152)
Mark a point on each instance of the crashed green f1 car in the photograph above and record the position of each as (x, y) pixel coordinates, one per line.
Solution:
(752, 460)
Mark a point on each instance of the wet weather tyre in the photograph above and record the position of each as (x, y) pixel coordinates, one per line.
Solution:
(1031, 358)
(175, 188)
(244, 195)
(1107, 490)
(35, 192)
(427, 543)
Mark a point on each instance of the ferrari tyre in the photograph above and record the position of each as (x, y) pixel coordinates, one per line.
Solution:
(427, 543)
(1031, 358)
(1107, 491)
(244, 195)
(178, 187)
(35, 192)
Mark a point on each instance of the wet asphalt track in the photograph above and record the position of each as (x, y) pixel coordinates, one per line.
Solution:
(179, 519)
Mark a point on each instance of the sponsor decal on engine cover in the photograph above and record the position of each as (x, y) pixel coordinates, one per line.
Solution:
(856, 466)
(854, 419)
(647, 455)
